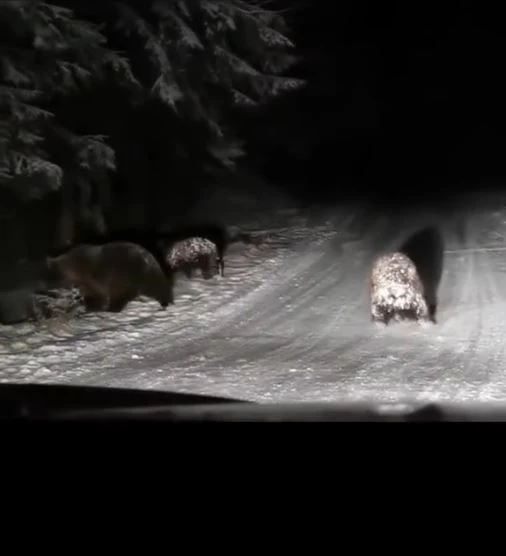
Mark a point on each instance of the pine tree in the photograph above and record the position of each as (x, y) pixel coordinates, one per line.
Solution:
(201, 64)
(203, 56)
(66, 92)
(45, 52)
(206, 57)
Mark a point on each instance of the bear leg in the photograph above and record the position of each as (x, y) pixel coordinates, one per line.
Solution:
(164, 295)
(93, 302)
(118, 303)
(168, 292)
(205, 268)
(432, 312)
(188, 271)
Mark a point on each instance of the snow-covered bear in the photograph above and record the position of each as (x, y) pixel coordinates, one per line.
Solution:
(396, 291)
(194, 253)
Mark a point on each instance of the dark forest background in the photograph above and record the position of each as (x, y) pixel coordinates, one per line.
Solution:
(119, 113)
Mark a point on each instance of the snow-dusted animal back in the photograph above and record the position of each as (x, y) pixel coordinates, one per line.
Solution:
(396, 290)
(194, 252)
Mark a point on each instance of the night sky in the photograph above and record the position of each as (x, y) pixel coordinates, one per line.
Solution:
(407, 96)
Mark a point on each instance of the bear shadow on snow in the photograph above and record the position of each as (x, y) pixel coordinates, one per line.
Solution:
(426, 249)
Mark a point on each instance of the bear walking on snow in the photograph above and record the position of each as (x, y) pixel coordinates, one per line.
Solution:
(109, 276)
(194, 253)
(216, 234)
(147, 239)
(214, 238)
(213, 233)
(159, 242)
(396, 290)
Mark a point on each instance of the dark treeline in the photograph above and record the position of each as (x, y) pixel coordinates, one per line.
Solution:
(400, 96)
(120, 112)
(115, 113)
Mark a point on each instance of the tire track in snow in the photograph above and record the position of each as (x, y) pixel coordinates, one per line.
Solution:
(463, 361)
(227, 322)
(485, 360)
(324, 346)
(161, 349)
(319, 281)
(458, 359)
(301, 292)
(366, 356)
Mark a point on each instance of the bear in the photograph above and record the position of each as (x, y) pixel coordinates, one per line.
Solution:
(109, 276)
(396, 291)
(159, 242)
(426, 249)
(215, 233)
(147, 239)
(191, 253)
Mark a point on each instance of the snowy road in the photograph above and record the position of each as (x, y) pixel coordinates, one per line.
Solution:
(290, 321)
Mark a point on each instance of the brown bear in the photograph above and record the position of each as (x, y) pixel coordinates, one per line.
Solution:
(149, 240)
(396, 290)
(109, 276)
(194, 253)
(159, 242)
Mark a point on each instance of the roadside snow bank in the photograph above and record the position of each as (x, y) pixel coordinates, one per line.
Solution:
(55, 351)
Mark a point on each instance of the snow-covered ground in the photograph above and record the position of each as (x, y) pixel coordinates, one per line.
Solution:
(290, 321)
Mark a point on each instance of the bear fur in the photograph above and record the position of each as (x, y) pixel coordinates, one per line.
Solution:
(147, 239)
(426, 249)
(159, 243)
(396, 290)
(109, 276)
(215, 233)
(192, 253)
